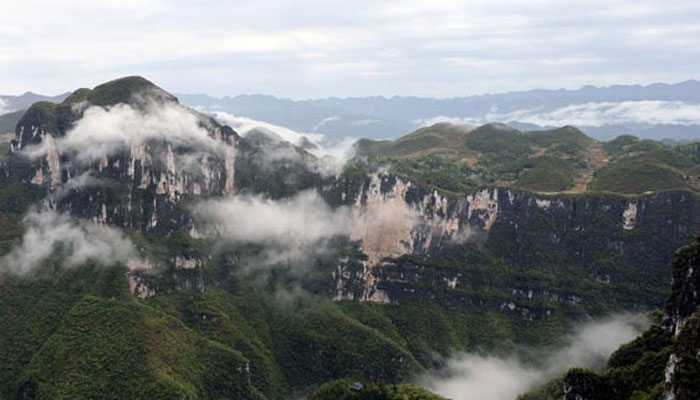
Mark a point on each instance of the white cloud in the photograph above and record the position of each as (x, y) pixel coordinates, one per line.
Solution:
(592, 114)
(292, 228)
(3, 107)
(317, 48)
(333, 155)
(80, 241)
(472, 122)
(474, 377)
(298, 221)
(102, 131)
(244, 125)
(608, 113)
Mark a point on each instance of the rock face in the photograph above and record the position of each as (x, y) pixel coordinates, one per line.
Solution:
(418, 223)
(638, 367)
(682, 319)
(139, 182)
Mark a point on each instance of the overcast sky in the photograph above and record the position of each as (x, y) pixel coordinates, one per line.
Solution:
(318, 48)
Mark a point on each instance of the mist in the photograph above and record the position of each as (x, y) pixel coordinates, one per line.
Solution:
(484, 377)
(103, 131)
(3, 107)
(333, 155)
(611, 113)
(293, 228)
(80, 241)
(591, 114)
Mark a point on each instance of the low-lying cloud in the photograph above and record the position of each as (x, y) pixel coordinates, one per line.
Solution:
(78, 241)
(104, 130)
(597, 114)
(335, 154)
(592, 114)
(299, 220)
(475, 377)
(293, 227)
(472, 122)
(4, 109)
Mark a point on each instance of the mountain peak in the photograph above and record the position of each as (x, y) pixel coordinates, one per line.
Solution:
(135, 90)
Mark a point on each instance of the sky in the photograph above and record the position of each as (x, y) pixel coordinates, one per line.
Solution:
(319, 48)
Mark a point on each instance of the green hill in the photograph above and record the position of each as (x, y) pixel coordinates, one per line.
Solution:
(8, 122)
(461, 158)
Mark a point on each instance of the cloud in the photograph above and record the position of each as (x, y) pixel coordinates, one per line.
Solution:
(300, 220)
(591, 114)
(4, 109)
(102, 131)
(333, 155)
(78, 241)
(311, 48)
(473, 122)
(83, 180)
(597, 114)
(475, 377)
(293, 227)
(244, 125)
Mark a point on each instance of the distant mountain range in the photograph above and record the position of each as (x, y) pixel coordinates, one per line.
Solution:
(25, 100)
(654, 111)
(12, 107)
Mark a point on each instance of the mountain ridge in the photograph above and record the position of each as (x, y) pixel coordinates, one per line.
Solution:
(406, 272)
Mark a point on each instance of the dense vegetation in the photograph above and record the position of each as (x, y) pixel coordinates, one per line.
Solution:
(348, 390)
(638, 370)
(230, 328)
(638, 166)
(460, 158)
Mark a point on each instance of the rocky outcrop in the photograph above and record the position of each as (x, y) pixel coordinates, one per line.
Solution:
(395, 218)
(682, 319)
(137, 181)
(638, 367)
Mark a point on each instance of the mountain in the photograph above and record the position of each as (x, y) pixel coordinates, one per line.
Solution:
(13, 107)
(654, 111)
(460, 158)
(148, 251)
(304, 116)
(9, 121)
(25, 100)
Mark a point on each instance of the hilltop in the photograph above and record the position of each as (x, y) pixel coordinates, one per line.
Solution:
(459, 158)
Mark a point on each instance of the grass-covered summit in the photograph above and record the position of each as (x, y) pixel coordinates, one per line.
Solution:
(459, 158)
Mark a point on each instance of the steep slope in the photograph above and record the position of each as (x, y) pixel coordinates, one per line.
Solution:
(660, 364)
(149, 175)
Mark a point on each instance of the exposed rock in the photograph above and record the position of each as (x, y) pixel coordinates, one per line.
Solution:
(144, 180)
(423, 222)
(629, 216)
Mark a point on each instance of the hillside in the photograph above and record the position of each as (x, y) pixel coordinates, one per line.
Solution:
(661, 363)
(149, 252)
(461, 158)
